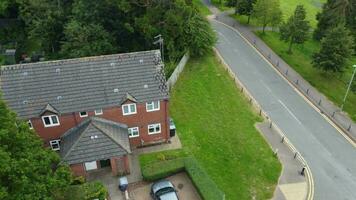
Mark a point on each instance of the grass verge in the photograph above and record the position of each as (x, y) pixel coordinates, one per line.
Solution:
(330, 84)
(312, 7)
(216, 126)
(201, 7)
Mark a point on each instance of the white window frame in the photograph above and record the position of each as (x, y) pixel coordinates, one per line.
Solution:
(55, 142)
(98, 112)
(131, 129)
(50, 120)
(129, 109)
(30, 124)
(86, 114)
(152, 103)
(154, 126)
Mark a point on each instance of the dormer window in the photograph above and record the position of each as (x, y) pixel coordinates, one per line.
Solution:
(129, 109)
(50, 120)
(83, 114)
(152, 106)
(98, 112)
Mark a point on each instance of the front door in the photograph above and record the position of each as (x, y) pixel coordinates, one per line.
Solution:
(104, 163)
(90, 165)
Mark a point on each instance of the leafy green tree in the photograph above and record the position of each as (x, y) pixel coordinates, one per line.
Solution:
(181, 26)
(27, 170)
(267, 12)
(245, 7)
(336, 48)
(334, 12)
(296, 29)
(44, 20)
(200, 37)
(86, 40)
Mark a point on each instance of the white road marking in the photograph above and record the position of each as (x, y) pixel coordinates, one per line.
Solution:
(290, 112)
(266, 86)
(223, 36)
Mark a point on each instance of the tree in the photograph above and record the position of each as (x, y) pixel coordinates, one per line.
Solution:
(86, 40)
(245, 7)
(267, 12)
(336, 48)
(27, 170)
(296, 29)
(334, 12)
(44, 20)
(200, 37)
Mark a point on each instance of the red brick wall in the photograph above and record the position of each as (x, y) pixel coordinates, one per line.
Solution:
(141, 119)
(78, 169)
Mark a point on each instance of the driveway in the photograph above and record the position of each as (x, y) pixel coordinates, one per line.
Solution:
(183, 184)
(331, 158)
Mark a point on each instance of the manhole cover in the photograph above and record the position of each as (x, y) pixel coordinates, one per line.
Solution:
(180, 186)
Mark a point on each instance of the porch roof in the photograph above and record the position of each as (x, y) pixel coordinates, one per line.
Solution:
(94, 139)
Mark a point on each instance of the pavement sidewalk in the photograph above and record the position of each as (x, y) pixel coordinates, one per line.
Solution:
(291, 184)
(322, 103)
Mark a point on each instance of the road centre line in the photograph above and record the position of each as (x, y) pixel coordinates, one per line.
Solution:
(290, 112)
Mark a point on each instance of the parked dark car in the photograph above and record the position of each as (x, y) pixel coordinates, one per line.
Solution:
(163, 190)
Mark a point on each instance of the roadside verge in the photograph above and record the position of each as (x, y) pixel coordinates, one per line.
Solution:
(283, 138)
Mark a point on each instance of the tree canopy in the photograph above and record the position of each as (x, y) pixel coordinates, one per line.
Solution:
(296, 29)
(245, 7)
(336, 48)
(267, 12)
(27, 170)
(69, 28)
(336, 12)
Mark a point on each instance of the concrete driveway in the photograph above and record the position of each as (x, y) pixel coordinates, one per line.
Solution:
(183, 184)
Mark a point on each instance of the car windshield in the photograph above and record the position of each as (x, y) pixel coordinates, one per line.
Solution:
(164, 191)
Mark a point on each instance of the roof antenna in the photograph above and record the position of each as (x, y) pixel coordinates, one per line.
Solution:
(160, 42)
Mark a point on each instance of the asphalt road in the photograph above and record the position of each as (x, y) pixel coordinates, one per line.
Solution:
(331, 158)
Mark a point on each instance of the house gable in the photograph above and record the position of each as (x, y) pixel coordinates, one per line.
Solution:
(94, 139)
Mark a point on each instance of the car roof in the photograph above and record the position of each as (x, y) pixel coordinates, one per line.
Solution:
(161, 184)
(169, 196)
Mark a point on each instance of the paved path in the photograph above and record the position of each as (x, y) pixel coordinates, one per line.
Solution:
(330, 156)
(291, 184)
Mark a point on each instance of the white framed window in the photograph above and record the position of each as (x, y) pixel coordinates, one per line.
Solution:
(98, 112)
(129, 109)
(152, 106)
(83, 114)
(133, 132)
(30, 124)
(55, 144)
(154, 128)
(50, 120)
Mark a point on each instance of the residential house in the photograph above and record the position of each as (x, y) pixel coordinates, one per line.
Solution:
(93, 110)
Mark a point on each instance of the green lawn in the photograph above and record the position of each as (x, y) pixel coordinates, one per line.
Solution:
(332, 85)
(220, 4)
(288, 6)
(215, 124)
(201, 7)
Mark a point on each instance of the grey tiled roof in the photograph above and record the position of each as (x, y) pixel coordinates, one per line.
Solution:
(83, 84)
(94, 139)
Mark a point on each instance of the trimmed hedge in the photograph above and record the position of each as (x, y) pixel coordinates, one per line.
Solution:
(207, 189)
(162, 169)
